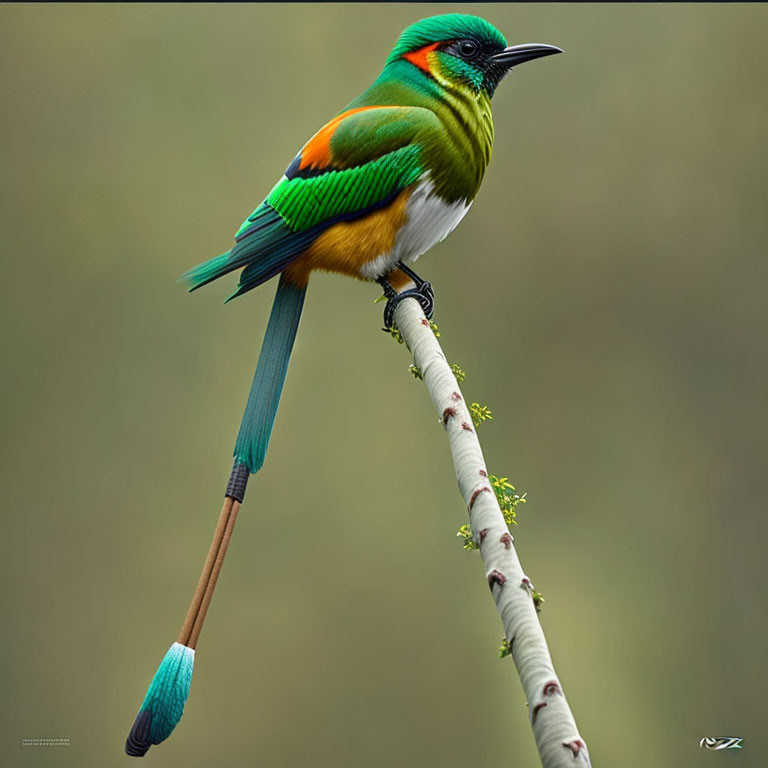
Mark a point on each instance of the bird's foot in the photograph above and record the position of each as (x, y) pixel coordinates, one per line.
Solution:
(423, 293)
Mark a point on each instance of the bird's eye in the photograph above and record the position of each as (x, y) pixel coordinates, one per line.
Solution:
(468, 48)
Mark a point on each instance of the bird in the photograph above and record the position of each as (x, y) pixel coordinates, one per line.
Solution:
(387, 178)
(383, 181)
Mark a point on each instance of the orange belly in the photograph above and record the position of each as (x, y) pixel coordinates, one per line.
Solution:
(348, 246)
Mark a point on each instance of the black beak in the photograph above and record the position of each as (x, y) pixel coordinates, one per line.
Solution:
(519, 54)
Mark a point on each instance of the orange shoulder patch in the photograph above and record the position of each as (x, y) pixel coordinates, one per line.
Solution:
(419, 56)
(317, 151)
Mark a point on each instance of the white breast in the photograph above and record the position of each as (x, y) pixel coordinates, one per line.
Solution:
(428, 221)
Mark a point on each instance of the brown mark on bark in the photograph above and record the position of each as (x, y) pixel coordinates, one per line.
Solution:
(496, 577)
(535, 712)
(424, 322)
(551, 688)
(474, 496)
(456, 397)
(483, 534)
(448, 413)
(575, 746)
(466, 426)
(506, 540)
(482, 473)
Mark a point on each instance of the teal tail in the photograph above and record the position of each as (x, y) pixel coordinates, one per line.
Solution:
(164, 703)
(261, 408)
(262, 250)
(209, 270)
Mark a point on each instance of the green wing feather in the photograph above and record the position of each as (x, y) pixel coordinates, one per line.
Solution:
(304, 203)
(374, 155)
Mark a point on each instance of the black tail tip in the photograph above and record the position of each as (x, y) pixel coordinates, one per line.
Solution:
(138, 742)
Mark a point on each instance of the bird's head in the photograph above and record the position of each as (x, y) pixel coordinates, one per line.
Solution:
(461, 49)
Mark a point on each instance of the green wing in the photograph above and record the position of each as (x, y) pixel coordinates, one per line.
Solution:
(359, 162)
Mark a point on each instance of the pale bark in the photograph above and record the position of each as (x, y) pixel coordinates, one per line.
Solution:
(554, 728)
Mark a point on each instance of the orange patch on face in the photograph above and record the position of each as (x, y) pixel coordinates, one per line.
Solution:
(419, 56)
(317, 151)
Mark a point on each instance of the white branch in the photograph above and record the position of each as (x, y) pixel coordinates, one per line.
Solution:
(554, 728)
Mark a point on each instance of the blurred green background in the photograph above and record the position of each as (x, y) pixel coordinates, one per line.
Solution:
(606, 296)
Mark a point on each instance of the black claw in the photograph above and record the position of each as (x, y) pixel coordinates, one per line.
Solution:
(389, 291)
(423, 293)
